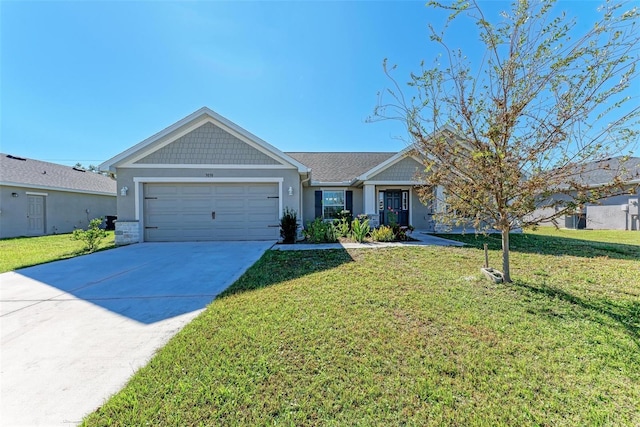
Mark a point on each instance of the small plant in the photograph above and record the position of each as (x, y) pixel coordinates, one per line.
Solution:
(92, 236)
(360, 229)
(392, 217)
(320, 231)
(384, 233)
(401, 232)
(342, 223)
(289, 226)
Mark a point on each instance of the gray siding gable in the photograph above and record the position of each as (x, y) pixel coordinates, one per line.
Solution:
(208, 145)
(404, 170)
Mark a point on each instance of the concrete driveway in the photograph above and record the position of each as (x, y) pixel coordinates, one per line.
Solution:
(74, 331)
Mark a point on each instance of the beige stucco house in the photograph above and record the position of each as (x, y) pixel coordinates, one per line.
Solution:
(206, 178)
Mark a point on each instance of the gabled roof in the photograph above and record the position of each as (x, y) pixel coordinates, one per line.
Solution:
(22, 172)
(386, 164)
(199, 117)
(342, 168)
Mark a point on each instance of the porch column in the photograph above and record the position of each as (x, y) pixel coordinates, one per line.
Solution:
(370, 202)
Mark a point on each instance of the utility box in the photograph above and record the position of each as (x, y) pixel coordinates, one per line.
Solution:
(634, 207)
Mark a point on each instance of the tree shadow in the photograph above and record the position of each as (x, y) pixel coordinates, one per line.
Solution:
(551, 245)
(623, 313)
(280, 266)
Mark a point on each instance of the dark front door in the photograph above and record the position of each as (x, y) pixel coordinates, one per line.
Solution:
(395, 207)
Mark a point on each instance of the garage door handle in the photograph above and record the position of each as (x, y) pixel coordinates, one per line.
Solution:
(213, 215)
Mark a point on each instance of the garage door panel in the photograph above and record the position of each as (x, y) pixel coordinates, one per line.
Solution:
(196, 190)
(183, 212)
(261, 189)
(269, 204)
(160, 190)
(237, 204)
(229, 189)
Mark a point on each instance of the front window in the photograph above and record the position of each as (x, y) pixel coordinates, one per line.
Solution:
(332, 203)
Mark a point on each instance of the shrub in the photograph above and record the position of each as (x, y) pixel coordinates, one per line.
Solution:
(289, 226)
(92, 236)
(319, 231)
(342, 223)
(384, 233)
(360, 229)
(400, 233)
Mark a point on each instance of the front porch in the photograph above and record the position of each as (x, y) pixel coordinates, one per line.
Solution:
(389, 203)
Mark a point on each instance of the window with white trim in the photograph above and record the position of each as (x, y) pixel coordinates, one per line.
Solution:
(405, 200)
(333, 202)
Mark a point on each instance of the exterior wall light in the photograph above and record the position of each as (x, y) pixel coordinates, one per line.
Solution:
(291, 191)
(14, 194)
(123, 191)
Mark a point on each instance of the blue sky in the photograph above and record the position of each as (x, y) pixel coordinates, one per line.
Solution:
(83, 81)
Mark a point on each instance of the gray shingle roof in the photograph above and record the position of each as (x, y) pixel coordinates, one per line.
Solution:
(603, 171)
(339, 167)
(38, 174)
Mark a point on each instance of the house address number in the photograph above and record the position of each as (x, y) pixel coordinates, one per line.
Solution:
(208, 175)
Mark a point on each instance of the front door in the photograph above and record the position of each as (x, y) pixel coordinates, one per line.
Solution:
(35, 215)
(394, 207)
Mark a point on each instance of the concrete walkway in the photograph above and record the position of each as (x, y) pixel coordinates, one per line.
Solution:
(422, 239)
(74, 331)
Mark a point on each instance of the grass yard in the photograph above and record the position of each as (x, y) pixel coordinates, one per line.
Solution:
(550, 241)
(22, 252)
(606, 236)
(405, 336)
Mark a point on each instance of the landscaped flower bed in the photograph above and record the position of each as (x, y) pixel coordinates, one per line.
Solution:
(348, 229)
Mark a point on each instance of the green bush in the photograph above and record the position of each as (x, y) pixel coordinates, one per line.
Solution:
(92, 236)
(384, 233)
(320, 231)
(342, 223)
(360, 229)
(289, 226)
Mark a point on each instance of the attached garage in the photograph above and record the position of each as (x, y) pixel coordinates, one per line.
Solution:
(210, 211)
(204, 178)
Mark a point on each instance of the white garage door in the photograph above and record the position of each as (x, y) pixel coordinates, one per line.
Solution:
(191, 212)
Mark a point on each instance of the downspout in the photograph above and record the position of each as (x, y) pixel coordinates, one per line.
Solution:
(302, 200)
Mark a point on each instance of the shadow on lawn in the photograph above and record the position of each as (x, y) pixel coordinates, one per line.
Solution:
(279, 266)
(626, 315)
(551, 245)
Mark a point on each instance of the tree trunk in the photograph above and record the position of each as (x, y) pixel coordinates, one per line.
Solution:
(505, 255)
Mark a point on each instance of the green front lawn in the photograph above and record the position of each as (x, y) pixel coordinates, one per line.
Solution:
(607, 236)
(404, 336)
(22, 252)
(551, 241)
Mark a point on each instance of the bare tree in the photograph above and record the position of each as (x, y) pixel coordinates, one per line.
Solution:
(503, 133)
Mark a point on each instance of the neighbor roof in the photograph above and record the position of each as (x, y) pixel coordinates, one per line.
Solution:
(602, 171)
(336, 167)
(23, 172)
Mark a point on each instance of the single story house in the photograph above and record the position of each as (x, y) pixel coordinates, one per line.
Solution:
(38, 198)
(206, 178)
(619, 212)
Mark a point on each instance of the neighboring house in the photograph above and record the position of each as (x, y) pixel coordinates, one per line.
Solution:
(620, 212)
(38, 198)
(206, 178)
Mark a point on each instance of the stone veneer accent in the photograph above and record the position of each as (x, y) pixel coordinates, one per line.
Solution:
(208, 145)
(127, 232)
